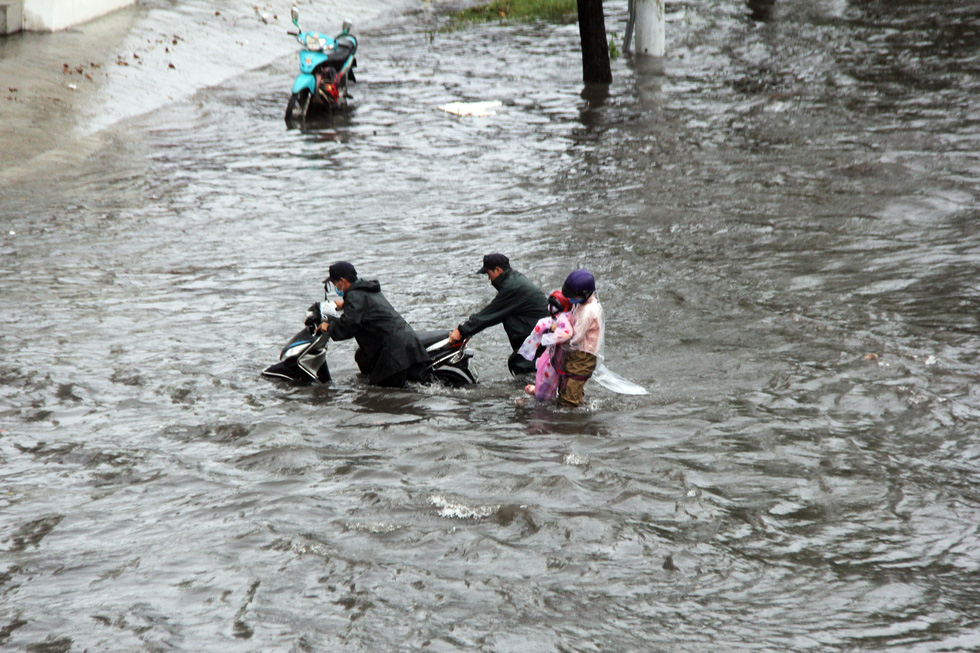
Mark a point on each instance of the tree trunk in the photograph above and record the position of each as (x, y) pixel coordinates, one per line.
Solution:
(761, 10)
(595, 48)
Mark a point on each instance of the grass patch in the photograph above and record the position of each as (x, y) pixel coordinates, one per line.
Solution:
(560, 11)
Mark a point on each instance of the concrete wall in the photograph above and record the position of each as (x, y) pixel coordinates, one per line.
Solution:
(54, 15)
(11, 16)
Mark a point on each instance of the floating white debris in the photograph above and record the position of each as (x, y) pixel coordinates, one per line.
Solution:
(375, 528)
(576, 460)
(453, 510)
(479, 109)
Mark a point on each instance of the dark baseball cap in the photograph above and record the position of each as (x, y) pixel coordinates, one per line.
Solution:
(491, 261)
(341, 270)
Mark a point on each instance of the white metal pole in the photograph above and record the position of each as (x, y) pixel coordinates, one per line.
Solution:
(651, 35)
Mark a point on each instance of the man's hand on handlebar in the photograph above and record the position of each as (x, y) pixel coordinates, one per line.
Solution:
(455, 336)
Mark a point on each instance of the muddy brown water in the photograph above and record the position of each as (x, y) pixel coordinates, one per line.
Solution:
(783, 223)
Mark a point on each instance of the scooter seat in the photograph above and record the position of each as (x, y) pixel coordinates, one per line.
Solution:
(430, 338)
(340, 52)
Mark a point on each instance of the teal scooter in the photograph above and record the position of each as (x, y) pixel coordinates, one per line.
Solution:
(326, 68)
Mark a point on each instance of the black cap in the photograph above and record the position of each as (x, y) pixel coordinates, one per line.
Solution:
(491, 261)
(341, 270)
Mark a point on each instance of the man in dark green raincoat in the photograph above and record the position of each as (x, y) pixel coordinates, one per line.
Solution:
(519, 305)
(388, 350)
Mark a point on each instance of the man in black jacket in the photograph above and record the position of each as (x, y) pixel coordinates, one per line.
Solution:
(388, 350)
(519, 305)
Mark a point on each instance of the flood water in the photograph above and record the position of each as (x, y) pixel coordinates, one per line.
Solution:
(782, 219)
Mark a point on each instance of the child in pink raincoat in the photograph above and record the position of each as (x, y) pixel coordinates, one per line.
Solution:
(548, 332)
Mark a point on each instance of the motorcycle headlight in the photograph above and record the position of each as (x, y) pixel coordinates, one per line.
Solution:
(313, 43)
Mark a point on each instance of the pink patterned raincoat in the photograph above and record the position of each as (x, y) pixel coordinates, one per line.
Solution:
(549, 331)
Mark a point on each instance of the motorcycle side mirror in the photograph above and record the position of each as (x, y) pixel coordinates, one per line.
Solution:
(294, 12)
(347, 27)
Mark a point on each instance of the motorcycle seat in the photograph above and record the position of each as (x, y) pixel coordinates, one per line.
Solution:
(430, 338)
(341, 50)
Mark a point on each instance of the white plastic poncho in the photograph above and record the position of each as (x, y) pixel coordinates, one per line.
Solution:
(591, 309)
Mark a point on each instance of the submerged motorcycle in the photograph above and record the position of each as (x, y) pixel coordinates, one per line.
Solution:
(326, 67)
(304, 358)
